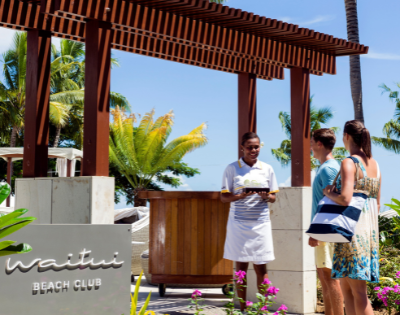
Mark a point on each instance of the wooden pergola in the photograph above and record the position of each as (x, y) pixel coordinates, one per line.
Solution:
(193, 32)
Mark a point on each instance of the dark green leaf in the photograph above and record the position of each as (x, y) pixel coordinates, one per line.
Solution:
(5, 191)
(18, 249)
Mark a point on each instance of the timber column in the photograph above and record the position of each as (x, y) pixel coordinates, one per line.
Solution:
(97, 98)
(37, 104)
(247, 101)
(300, 114)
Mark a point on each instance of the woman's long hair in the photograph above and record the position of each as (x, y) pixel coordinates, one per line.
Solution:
(360, 135)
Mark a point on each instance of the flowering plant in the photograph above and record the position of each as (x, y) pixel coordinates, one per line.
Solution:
(390, 295)
(196, 302)
(266, 298)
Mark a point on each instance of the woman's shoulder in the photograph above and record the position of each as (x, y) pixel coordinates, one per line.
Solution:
(265, 166)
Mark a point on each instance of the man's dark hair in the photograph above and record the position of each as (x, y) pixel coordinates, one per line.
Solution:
(248, 136)
(326, 136)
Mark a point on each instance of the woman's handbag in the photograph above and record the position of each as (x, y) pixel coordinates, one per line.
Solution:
(334, 223)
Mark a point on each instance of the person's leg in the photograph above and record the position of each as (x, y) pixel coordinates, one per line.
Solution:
(325, 292)
(361, 303)
(348, 297)
(261, 272)
(241, 290)
(333, 298)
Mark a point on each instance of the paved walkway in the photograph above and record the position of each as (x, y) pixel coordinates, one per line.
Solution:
(176, 301)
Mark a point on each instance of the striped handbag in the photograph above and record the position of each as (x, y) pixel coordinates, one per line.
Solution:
(334, 223)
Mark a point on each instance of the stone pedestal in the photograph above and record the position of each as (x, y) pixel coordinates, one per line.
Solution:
(67, 200)
(293, 270)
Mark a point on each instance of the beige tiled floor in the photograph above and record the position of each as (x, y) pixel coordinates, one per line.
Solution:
(176, 301)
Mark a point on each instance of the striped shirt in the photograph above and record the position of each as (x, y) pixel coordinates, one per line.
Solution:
(239, 175)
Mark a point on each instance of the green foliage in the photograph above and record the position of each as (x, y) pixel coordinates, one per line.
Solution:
(11, 223)
(134, 299)
(391, 129)
(142, 155)
(319, 118)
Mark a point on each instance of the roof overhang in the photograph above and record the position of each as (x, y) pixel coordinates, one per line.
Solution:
(193, 32)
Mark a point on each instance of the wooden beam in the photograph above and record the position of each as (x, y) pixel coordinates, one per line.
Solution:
(37, 104)
(97, 98)
(300, 115)
(247, 100)
(9, 177)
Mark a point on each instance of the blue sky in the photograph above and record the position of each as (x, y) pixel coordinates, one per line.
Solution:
(199, 95)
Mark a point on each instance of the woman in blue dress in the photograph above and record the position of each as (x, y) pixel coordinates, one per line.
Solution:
(357, 262)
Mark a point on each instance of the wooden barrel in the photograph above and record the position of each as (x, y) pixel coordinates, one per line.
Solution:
(187, 236)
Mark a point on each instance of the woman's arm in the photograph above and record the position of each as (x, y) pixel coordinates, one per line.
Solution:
(271, 198)
(229, 197)
(347, 172)
(378, 199)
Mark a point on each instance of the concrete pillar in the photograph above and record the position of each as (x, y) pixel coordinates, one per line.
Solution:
(67, 200)
(293, 270)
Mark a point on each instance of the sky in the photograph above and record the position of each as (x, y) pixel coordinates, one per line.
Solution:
(198, 95)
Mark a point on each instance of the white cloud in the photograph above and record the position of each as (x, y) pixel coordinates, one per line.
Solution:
(287, 183)
(184, 187)
(6, 36)
(317, 19)
(382, 56)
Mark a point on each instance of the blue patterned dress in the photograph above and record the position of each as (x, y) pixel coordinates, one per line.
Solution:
(359, 259)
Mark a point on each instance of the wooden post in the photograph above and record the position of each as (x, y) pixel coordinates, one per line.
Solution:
(247, 110)
(300, 114)
(37, 104)
(9, 176)
(97, 98)
(69, 171)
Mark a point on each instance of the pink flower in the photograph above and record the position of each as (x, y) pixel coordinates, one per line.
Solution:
(283, 307)
(266, 281)
(377, 288)
(264, 308)
(398, 274)
(249, 303)
(272, 291)
(239, 276)
(276, 313)
(196, 294)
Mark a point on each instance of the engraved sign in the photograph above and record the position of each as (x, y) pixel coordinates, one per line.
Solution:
(72, 269)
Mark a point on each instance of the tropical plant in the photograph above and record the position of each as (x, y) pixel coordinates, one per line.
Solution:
(355, 66)
(143, 154)
(11, 223)
(391, 129)
(319, 117)
(134, 299)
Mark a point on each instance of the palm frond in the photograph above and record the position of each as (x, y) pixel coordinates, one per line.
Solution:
(387, 143)
(59, 113)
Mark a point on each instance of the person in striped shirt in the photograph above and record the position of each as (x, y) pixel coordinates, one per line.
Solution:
(249, 233)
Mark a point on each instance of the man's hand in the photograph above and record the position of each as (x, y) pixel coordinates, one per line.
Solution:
(313, 242)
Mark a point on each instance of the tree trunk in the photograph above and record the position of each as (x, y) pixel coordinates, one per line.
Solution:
(57, 138)
(355, 67)
(138, 202)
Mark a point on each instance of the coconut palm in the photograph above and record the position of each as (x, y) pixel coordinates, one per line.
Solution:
(355, 66)
(319, 117)
(142, 153)
(391, 129)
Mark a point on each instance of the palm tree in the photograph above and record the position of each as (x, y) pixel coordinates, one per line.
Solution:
(355, 66)
(392, 128)
(318, 118)
(142, 153)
